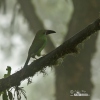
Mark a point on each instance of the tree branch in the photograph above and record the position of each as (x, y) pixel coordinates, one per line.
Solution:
(50, 59)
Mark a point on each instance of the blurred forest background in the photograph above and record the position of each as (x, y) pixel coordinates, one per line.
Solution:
(20, 20)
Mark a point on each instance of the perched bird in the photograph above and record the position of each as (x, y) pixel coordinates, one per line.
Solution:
(38, 44)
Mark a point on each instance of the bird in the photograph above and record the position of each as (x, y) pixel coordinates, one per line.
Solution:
(38, 44)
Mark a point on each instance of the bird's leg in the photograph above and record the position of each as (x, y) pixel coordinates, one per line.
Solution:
(35, 58)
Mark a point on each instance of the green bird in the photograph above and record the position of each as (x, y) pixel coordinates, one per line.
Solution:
(38, 44)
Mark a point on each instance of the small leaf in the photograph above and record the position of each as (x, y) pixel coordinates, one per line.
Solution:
(10, 95)
(4, 96)
(9, 70)
(5, 75)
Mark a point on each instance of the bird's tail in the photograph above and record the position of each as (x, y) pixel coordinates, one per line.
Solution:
(27, 60)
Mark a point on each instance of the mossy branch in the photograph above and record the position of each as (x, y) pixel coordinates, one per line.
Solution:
(50, 59)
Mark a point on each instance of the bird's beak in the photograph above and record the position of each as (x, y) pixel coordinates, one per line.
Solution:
(49, 32)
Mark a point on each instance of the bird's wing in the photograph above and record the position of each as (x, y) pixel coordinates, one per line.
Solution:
(36, 48)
